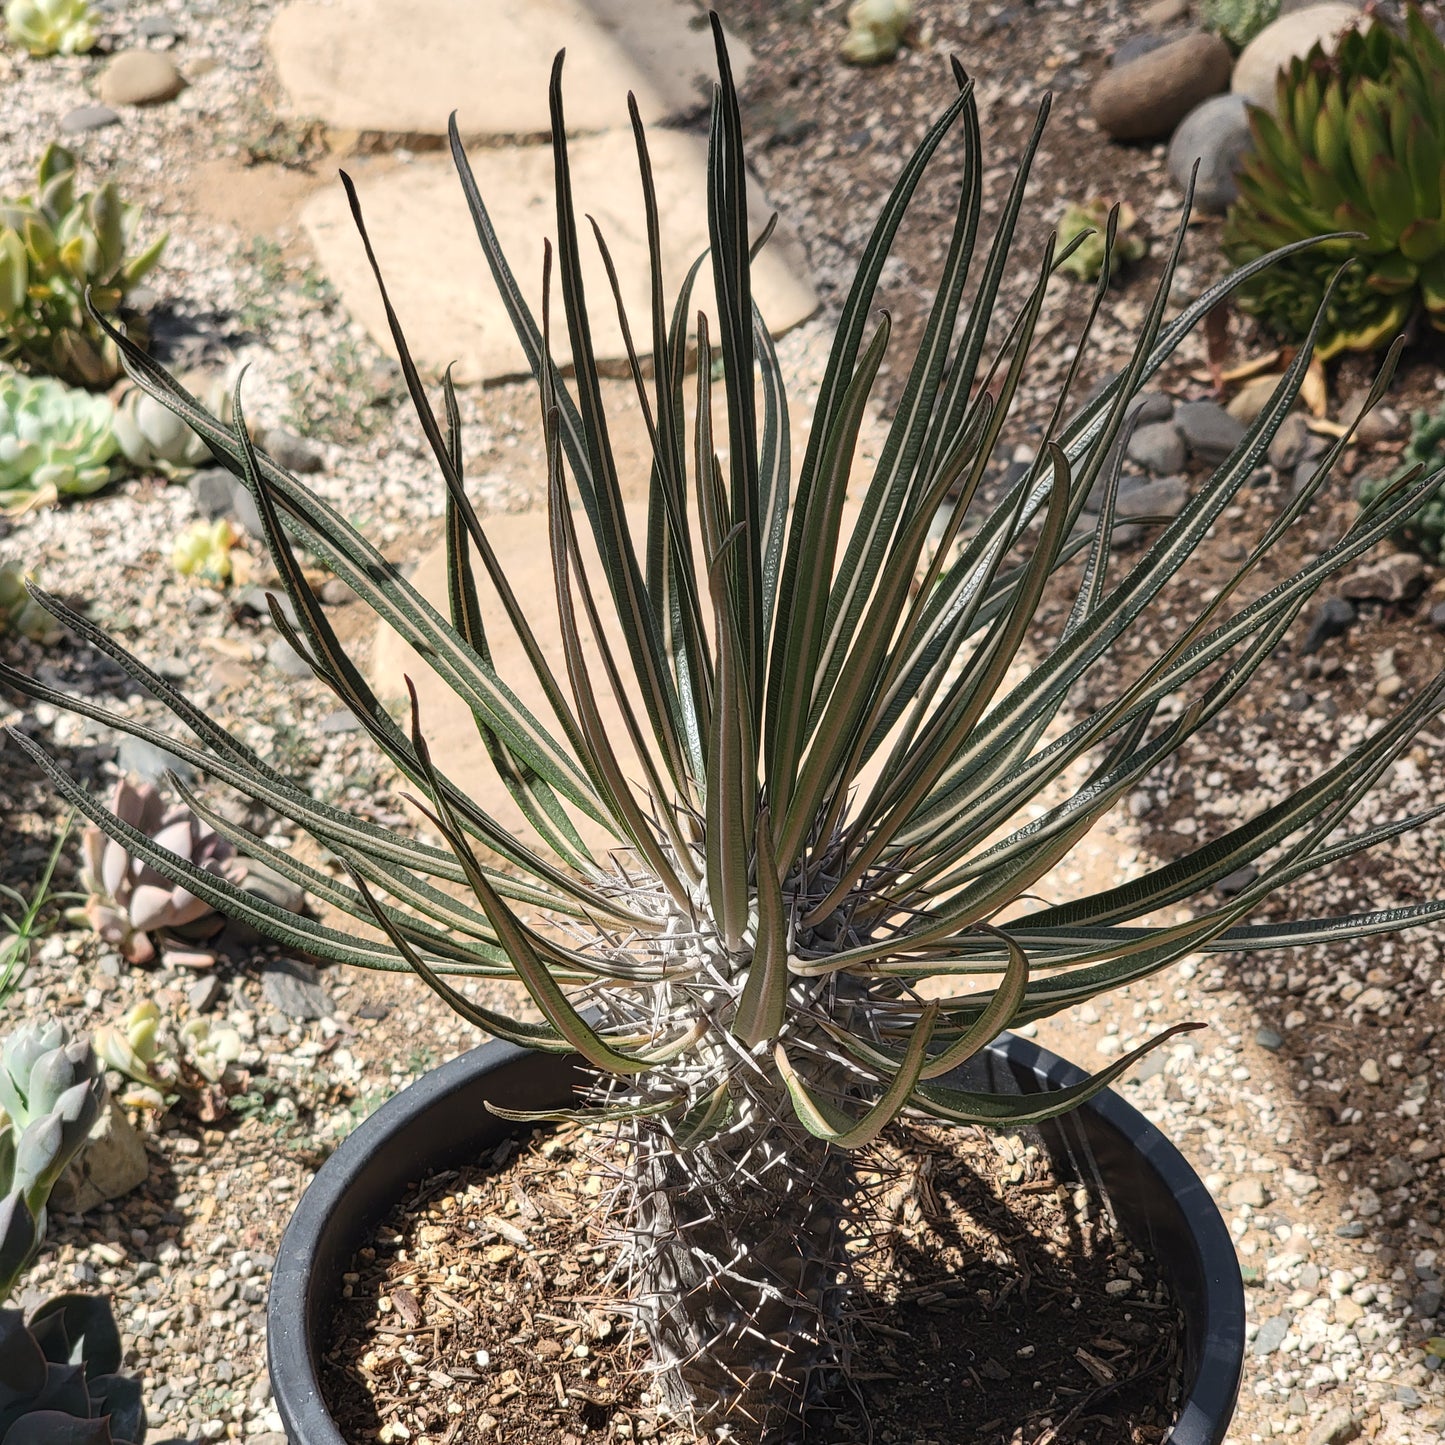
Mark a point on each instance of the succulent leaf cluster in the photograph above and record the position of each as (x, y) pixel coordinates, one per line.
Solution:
(1354, 145)
(55, 441)
(61, 1370)
(52, 27)
(203, 551)
(52, 1092)
(133, 1045)
(1103, 232)
(129, 898)
(55, 247)
(1424, 528)
(154, 439)
(846, 762)
(19, 613)
(1238, 21)
(875, 30)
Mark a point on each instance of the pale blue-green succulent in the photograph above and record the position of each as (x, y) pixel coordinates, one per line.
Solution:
(154, 439)
(52, 1091)
(55, 441)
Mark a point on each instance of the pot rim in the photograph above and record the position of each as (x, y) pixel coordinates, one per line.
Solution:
(296, 1304)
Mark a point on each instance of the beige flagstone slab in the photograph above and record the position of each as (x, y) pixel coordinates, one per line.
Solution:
(438, 276)
(521, 543)
(402, 66)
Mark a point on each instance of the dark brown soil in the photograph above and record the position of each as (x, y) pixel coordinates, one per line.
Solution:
(991, 1299)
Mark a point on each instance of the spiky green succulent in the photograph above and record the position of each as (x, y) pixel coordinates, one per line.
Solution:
(62, 1380)
(52, 27)
(1094, 231)
(845, 764)
(1424, 528)
(55, 441)
(1238, 21)
(55, 247)
(52, 1093)
(1355, 144)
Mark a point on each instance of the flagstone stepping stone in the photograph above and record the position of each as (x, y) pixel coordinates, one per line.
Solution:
(520, 541)
(439, 280)
(402, 66)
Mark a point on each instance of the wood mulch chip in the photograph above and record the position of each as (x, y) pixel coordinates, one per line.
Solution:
(996, 1304)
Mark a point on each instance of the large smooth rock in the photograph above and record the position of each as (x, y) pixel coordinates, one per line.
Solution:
(438, 276)
(1148, 96)
(140, 77)
(402, 66)
(111, 1163)
(1216, 134)
(1281, 41)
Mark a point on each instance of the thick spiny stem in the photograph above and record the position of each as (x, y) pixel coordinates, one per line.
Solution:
(740, 1273)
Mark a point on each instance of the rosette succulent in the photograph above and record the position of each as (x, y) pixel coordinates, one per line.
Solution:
(1355, 144)
(845, 763)
(1424, 528)
(1102, 232)
(154, 438)
(62, 1384)
(54, 247)
(52, 27)
(52, 1093)
(129, 899)
(875, 30)
(55, 441)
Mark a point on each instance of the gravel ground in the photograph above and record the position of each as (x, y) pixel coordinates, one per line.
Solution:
(1311, 1104)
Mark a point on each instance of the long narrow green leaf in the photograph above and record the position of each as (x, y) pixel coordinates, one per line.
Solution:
(515, 938)
(828, 1122)
(1015, 1111)
(764, 998)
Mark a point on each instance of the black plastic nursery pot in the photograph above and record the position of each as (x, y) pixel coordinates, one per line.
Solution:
(440, 1122)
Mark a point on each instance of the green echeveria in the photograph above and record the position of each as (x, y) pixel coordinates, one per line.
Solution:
(54, 441)
(52, 27)
(54, 247)
(1355, 144)
(1425, 528)
(1238, 21)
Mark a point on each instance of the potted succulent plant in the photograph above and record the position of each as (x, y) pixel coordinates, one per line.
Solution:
(832, 781)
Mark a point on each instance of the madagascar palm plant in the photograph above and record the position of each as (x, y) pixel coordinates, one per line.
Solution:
(834, 778)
